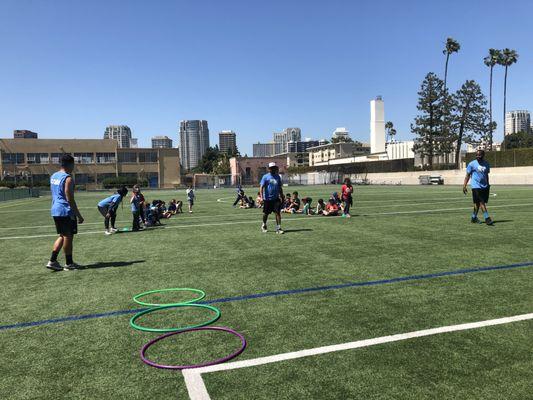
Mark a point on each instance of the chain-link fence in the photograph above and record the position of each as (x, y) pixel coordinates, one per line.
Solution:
(16, 194)
(506, 158)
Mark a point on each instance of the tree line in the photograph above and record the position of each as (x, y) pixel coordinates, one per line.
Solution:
(445, 120)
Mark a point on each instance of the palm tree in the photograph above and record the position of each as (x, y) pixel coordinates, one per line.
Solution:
(490, 61)
(508, 58)
(452, 46)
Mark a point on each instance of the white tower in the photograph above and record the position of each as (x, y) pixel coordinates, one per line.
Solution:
(377, 125)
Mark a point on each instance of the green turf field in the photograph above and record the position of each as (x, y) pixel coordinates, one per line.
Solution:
(396, 232)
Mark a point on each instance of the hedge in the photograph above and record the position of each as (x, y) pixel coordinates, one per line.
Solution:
(506, 158)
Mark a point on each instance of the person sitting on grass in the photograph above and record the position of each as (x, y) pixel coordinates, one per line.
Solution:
(108, 209)
(307, 208)
(335, 197)
(155, 213)
(251, 202)
(332, 209)
(240, 197)
(173, 207)
(295, 203)
(321, 207)
(259, 200)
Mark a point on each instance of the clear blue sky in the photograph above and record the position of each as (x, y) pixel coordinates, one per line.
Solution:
(69, 68)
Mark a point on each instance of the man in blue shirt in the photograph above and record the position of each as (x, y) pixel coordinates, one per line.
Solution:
(271, 192)
(478, 170)
(64, 211)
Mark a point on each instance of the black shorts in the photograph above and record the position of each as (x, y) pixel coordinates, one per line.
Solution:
(66, 226)
(481, 195)
(271, 206)
(106, 210)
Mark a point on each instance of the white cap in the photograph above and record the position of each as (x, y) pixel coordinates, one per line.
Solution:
(271, 164)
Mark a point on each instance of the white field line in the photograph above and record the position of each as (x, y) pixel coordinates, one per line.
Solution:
(22, 202)
(198, 391)
(187, 217)
(294, 219)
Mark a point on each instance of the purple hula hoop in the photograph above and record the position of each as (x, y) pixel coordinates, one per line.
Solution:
(205, 328)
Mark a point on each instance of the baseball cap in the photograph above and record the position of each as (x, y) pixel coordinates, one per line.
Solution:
(271, 164)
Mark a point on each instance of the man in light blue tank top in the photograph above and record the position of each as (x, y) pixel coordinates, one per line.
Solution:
(65, 213)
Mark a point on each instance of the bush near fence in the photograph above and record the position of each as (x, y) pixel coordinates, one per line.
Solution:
(506, 158)
(114, 182)
(402, 165)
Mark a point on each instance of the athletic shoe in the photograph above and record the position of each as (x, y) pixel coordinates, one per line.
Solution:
(489, 221)
(264, 228)
(71, 267)
(109, 232)
(474, 220)
(54, 266)
(280, 231)
(114, 230)
(348, 216)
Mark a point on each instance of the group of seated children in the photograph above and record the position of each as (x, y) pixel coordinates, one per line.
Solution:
(336, 205)
(144, 213)
(246, 201)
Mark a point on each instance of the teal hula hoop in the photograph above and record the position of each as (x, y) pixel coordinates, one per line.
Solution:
(134, 325)
(142, 303)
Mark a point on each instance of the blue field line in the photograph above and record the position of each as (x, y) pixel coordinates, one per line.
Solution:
(276, 293)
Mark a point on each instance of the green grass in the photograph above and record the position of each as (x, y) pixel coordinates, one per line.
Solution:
(221, 250)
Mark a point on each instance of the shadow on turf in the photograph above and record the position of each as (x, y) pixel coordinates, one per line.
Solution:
(111, 264)
(297, 230)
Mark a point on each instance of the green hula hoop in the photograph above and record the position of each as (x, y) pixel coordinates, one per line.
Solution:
(146, 329)
(142, 303)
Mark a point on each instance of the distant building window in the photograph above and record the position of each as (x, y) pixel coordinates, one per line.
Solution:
(148, 157)
(37, 158)
(55, 158)
(105, 158)
(84, 158)
(127, 157)
(13, 158)
(82, 179)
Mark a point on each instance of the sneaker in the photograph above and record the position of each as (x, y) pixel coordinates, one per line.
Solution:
(114, 230)
(109, 232)
(71, 267)
(54, 266)
(264, 228)
(489, 221)
(474, 220)
(280, 231)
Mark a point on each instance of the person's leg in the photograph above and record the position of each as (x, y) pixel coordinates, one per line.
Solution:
(106, 223)
(278, 222)
(135, 225)
(68, 247)
(113, 219)
(58, 244)
(237, 200)
(141, 214)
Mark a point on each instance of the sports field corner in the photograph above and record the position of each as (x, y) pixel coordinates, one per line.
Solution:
(406, 299)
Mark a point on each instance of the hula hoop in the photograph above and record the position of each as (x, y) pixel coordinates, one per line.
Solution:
(142, 303)
(150, 310)
(208, 328)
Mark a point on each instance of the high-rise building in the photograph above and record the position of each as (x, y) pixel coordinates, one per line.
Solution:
(341, 133)
(281, 139)
(227, 140)
(377, 126)
(194, 141)
(301, 146)
(121, 133)
(24, 134)
(263, 149)
(161, 142)
(517, 121)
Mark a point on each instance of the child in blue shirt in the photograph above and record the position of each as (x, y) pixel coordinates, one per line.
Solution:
(108, 209)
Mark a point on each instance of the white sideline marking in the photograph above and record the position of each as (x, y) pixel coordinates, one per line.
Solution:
(196, 386)
(293, 219)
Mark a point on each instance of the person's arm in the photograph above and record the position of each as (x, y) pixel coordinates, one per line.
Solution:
(467, 178)
(261, 188)
(69, 192)
(280, 189)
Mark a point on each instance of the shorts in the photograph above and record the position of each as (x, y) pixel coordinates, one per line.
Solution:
(66, 226)
(481, 195)
(271, 206)
(191, 202)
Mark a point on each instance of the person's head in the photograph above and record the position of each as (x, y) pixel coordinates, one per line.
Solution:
(136, 189)
(331, 201)
(305, 200)
(273, 168)
(347, 181)
(250, 198)
(67, 163)
(173, 201)
(480, 154)
(190, 186)
(295, 195)
(123, 191)
(321, 201)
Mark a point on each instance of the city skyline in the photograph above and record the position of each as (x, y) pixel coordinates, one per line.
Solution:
(391, 53)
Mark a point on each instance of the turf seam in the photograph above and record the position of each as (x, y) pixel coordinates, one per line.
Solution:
(407, 278)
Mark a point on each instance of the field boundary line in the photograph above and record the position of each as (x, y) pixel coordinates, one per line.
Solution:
(300, 218)
(198, 391)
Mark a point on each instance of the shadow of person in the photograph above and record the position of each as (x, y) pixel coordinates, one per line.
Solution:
(297, 230)
(110, 264)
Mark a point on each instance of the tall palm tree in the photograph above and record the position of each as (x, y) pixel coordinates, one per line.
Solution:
(452, 46)
(490, 61)
(508, 58)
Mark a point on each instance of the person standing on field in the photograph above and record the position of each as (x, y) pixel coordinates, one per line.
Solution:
(271, 192)
(478, 170)
(190, 198)
(65, 213)
(346, 196)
